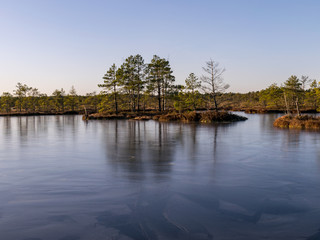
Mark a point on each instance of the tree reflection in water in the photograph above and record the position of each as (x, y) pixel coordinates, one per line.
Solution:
(149, 180)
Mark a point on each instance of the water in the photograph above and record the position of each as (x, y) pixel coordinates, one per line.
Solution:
(64, 179)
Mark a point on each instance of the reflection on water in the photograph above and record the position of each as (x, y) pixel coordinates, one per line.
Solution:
(65, 179)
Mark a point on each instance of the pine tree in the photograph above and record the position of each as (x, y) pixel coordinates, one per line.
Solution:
(292, 93)
(192, 84)
(160, 79)
(111, 84)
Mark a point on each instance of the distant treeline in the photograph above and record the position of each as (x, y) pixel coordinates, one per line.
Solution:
(294, 95)
(138, 86)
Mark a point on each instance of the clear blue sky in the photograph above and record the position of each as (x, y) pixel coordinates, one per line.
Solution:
(59, 43)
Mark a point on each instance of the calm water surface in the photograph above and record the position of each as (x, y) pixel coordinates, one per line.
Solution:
(64, 179)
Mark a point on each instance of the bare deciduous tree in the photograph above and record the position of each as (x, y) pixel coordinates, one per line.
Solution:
(304, 81)
(213, 81)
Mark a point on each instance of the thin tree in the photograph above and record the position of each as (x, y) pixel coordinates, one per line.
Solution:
(213, 81)
(59, 99)
(72, 99)
(167, 83)
(34, 95)
(21, 93)
(292, 93)
(160, 79)
(192, 84)
(127, 80)
(111, 84)
(304, 81)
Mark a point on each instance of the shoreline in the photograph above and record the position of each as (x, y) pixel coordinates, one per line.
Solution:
(22, 114)
(129, 114)
(202, 117)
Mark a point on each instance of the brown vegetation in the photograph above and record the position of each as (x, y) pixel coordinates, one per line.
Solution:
(298, 122)
(261, 110)
(210, 116)
(121, 115)
(104, 116)
(204, 117)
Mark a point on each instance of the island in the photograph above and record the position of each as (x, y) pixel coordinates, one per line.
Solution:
(298, 122)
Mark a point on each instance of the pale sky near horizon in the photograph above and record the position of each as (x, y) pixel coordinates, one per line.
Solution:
(53, 44)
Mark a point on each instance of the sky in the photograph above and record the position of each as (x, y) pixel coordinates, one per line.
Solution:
(53, 44)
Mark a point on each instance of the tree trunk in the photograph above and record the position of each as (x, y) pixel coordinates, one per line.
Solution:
(163, 101)
(297, 105)
(138, 99)
(193, 100)
(286, 102)
(215, 103)
(159, 97)
(115, 102)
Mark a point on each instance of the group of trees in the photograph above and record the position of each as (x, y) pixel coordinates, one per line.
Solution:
(28, 99)
(292, 95)
(135, 84)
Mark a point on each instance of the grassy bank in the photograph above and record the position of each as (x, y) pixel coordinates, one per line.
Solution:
(298, 122)
(204, 117)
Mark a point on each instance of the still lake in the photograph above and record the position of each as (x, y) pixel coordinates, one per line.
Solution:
(62, 178)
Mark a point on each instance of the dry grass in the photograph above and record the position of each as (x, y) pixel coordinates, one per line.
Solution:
(298, 122)
(106, 116)
(260, 110)
(211, 116)
(205, 117)
(170, 117)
